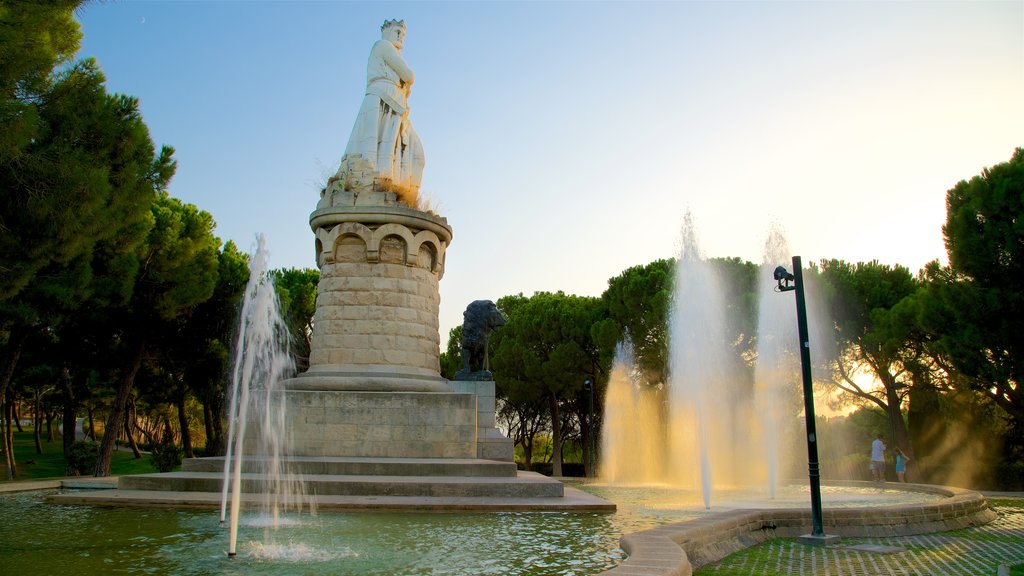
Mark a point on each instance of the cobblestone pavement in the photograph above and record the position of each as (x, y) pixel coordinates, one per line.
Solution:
(969, 552)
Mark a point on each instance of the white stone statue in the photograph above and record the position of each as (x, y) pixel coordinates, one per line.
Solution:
(383, 144)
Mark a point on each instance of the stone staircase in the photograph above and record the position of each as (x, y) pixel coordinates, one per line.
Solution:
(358, 483)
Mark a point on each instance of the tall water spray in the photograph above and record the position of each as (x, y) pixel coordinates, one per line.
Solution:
(777, 372)
(257, 435)
(701, 389)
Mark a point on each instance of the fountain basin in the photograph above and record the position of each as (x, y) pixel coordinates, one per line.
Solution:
(682, 547)
(125, 539)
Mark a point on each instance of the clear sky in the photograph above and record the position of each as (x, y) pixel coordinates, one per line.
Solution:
(565, 141)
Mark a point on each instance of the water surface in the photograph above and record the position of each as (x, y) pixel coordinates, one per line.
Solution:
(41, 538)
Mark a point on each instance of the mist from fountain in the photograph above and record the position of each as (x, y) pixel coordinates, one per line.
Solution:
(778, 365)
(632, 425)
(258, 442)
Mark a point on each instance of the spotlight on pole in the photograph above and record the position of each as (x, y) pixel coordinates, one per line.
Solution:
(783, 278)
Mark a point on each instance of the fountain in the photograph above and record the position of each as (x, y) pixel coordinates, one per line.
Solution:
(723, 448)
(717, 431)
(707, 405)
(262, 363)
(703, 394)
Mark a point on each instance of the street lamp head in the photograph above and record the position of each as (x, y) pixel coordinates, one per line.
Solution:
(783, 277)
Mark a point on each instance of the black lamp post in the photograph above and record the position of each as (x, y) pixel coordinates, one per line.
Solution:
(817, 535)
(588, 387)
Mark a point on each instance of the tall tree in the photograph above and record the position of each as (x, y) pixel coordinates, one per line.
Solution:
(211, 329)
(740, 285)
(34, 39)
(88, 170)
(76, 198)
(451, 357)
(178, 271)
(546, 345)
(873, 333)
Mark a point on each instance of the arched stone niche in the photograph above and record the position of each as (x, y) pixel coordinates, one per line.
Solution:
(392, 243)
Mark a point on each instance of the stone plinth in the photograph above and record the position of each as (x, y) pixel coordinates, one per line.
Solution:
(491, 444)
(335, 423)
(377, 303)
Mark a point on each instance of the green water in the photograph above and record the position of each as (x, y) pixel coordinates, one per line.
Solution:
(41, 538)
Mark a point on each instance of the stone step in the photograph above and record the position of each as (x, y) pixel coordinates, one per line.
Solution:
(352, 466)
(524, 485)
(574, 500)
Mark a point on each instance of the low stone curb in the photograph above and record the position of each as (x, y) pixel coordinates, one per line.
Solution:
(79, 482)
(680, 548)
(28, 485)
(573, 500)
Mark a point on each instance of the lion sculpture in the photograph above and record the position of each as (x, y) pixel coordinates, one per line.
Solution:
(479, 320)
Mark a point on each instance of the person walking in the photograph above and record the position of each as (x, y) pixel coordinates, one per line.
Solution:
(901, 464)
(878, 459)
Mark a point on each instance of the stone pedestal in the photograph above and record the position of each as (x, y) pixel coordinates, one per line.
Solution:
(491, 444)
(341, 423)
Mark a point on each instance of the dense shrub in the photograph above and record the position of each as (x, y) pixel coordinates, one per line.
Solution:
(82, 457)
(166, 456)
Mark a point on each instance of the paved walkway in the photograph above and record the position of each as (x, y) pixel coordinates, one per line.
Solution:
(969, 552)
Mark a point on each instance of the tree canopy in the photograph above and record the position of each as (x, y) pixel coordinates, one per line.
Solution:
(296, 289)
(36, 38)
(975, 308)
(545, 351)
(638, 301)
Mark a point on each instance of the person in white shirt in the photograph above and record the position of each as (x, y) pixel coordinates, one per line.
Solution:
(878, 459)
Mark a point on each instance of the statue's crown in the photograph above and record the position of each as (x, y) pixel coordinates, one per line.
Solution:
(389, 23)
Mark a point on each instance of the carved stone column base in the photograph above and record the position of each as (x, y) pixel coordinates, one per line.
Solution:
(367, 378)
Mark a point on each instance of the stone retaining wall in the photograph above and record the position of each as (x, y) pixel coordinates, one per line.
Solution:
(678, 549)
(382, 424)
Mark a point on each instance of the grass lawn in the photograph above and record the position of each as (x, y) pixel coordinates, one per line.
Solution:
(50, 464)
